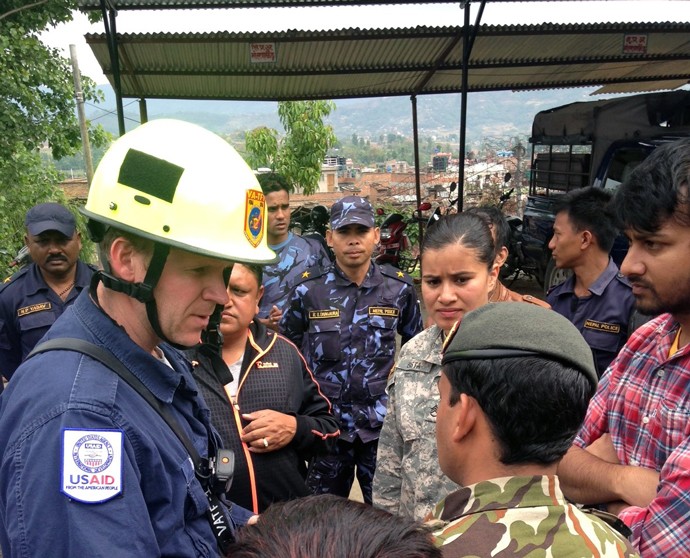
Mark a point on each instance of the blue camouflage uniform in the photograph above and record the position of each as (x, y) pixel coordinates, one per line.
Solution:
(28, 307)
(297, 254)
(151, 504)
(602, 317)
(348, 336)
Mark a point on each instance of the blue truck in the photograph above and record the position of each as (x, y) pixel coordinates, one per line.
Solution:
(595, 143)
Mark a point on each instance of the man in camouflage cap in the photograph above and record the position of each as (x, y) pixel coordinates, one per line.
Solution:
(345, 319)
(514, 391)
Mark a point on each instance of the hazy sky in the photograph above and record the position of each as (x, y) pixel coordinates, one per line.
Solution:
(340, 17)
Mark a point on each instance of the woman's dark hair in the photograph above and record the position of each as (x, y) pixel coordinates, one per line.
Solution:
(535, 406)
(328, 526)
(494, 218)
(467, 230)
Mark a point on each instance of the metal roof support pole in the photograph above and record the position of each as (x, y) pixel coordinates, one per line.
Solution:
(417, 181)
(143, 111)
(109, 16)
(467, 44)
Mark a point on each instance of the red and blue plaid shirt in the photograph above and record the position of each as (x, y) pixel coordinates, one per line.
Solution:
(643, 401)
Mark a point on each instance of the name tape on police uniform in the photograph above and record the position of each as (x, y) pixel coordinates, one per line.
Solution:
(40, 307)
(323, 314)
(384, 311)
(602, 326)
(91, 464)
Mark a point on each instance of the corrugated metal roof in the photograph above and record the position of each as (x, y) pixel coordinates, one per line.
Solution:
(384, 62)
(88, 5)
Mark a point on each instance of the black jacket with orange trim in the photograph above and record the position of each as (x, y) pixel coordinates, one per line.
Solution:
(274, 376)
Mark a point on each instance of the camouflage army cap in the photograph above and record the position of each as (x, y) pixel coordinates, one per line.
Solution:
(352, 210)
(514, 329)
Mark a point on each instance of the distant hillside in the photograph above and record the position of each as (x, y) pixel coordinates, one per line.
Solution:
(494, 114)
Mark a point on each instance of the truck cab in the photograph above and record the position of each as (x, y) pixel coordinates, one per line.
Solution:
(595, 143)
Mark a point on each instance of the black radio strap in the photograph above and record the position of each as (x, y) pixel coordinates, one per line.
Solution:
(219, 523)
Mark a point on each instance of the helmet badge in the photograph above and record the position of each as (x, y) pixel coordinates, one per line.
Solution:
(254, 215)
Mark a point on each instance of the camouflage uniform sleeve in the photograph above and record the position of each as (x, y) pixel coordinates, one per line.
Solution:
(293, 323)
(410, 323)
(322, 257)
(387, 477)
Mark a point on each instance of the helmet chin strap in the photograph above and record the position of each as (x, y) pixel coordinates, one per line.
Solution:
(153, 274)
(212, 336)
(143, 292)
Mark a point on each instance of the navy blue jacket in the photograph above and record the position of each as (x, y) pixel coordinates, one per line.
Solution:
(28, 307)
(160, 510)
(602, 317)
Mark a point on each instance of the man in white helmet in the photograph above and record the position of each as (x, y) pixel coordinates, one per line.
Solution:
(105, 445)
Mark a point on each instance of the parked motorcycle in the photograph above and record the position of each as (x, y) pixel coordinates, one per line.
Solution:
(395, 247)
(393, 241)
(313, 224)
(516, 262)
(441, 209)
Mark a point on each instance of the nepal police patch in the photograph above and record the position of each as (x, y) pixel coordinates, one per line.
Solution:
(91, 464)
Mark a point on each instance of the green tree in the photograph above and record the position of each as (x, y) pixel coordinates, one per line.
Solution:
(299, 154)
(37, 109)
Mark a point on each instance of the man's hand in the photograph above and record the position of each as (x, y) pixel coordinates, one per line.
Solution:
(274, 316)
(273, 320)
(268, 430)
(638, 485)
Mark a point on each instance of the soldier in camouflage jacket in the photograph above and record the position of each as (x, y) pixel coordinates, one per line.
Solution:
(510, 406)
(458, 272)
(408, 480)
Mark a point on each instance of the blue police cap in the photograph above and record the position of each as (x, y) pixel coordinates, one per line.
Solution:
(50, 217)
(352, 210)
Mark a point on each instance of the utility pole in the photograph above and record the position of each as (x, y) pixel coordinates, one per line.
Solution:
(79, 95)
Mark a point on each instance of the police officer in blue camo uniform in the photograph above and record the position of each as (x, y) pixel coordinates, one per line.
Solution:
(297, 253)
(345, 319)
(34, 297)
(596, 298)
(106, 447)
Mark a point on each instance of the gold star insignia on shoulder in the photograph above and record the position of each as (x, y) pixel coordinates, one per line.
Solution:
(305, 274)
(401, 274)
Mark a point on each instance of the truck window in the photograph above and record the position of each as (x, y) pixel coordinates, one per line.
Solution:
(623, 162)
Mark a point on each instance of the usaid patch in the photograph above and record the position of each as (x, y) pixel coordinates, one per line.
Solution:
(91, 465)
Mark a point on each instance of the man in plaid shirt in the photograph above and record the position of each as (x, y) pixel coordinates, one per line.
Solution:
(633, 452)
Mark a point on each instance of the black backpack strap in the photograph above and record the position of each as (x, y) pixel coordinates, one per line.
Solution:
(108, 359)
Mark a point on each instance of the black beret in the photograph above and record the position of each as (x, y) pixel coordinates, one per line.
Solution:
(515, 329)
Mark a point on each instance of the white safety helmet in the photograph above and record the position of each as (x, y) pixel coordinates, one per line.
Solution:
(181, 185)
